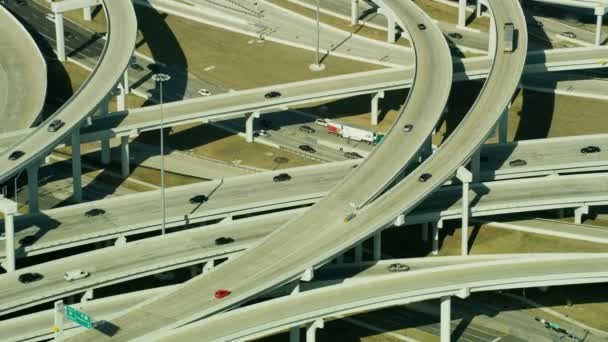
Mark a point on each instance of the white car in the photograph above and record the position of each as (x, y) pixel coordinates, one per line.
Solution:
(50, 17)
(322, 122)
(75, 275)
(203, 92)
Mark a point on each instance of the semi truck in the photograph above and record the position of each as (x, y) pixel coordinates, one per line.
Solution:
(509, 37)
(354, 133)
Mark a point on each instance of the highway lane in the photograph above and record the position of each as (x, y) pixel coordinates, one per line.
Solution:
(433, 74)
(555, 228)
(23, 80)
(36, 326)
(122, 32)
(272, 316)
(178, 250)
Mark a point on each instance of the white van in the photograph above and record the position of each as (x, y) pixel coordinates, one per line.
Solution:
(75, 275)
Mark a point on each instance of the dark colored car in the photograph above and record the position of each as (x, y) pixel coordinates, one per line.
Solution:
(55, 125)
(352, 155)
(424, 177)
(455, 35)
(198, 199)
(136, 67)
(306, 129)
(398, 267)
(590, 149)
(539, 23)
(223, 240)
(94, 212)
(421, 27)
(281, 177)
(27, 240)
(221, 293)
(16, 155)
(408, 128)
(272, 94)
(518, 162)
(307, 148)
(29, 277)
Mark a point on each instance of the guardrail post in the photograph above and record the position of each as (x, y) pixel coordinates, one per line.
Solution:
(354, 12)
(462, 13)
(87, 13)
(59, 37)
(32, 188)
(76, 167)
(375, 101)
(9, 208)
(446, 303)
(377, 241)
(311, 330)
(579, 212)
(599, 12)
(124, 156)
(249, 125)
(465, 177)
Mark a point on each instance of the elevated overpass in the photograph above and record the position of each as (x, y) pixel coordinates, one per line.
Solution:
(23, 80)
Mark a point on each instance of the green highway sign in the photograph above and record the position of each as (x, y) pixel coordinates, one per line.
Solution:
(78, 317)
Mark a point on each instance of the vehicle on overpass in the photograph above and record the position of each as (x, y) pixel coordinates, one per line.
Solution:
(354, 133)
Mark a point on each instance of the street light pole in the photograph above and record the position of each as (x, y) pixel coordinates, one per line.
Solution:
(317, 66)
(161, 78)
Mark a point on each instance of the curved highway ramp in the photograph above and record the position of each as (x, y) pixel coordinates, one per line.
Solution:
(22, 75)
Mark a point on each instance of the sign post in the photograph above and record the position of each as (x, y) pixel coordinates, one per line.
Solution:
(58, 319)
(78, 317)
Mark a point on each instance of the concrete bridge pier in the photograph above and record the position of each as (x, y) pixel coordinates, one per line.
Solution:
(124, 156)
(76, 167)
(391, 25)
(9, 209)
(59, 37)
(32, 188)
(446, 306)
(599, 12)
(465, 177)
(311, 329)
(208, 267)
(354, 12)
(425, 231)
(375, 104)
(436, 226)
(462, 13)
(579, 212)
(87, 13)
(249, 125)
(359, 253)
(377, 242)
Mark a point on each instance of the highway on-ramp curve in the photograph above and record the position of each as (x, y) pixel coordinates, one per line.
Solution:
(265, 265)
(22, 75)
(122, 33)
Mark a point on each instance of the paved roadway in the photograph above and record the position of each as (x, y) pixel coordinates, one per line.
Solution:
(35, 326)
(195, 246)
(117, 53)
(22, 75)
(555, 228)
(383, 291)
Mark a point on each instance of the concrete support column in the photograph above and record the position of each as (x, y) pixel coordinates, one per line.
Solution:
(294, 334)
(311, 330)
(391, 29)
(375, 104)
(478, 9)
(124, 156)
(125, 78)
(121, 98)
(359, 252)
(76, 167)
(436, 226)
(87, 13)
(465, 177)
(476, 165)
(599, 12)
(425, 231)
(579, 212)
(561, 213)
(446, 306)
(9, 208)
(354, 12)
(462, 13)
(503, 125)
(340, 259)
(249, 125)
(193, 271)
(377, 241)
(32, 188)
(105, 151)
(59, 37)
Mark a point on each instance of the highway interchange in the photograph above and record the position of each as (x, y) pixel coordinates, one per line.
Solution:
(278, 249)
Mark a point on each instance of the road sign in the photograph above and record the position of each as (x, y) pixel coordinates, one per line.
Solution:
(78, 317)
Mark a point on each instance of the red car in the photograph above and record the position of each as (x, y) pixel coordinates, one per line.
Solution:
(219, 294)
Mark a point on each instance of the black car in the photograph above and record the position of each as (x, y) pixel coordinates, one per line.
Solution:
(539, 23)
(408, 128)
(272, 94)
(27, 240)
(306, 129)
(94, 212)
(136, 67)
(16, 155)
(223, 240)
(29, 277)
(398, 267)
(518, 162)
(55, 125)
(352, 155)
(424, 177)
(198, 199)
(307, 148)
(421, 26)
(590, 149)
(455, 35)
(281, 177)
